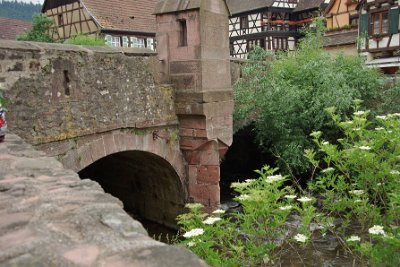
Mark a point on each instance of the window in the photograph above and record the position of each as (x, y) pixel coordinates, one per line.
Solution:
(279, 43)
(251, 44)
(183, 33)
(244, 23)
(137, 42)
(354, 20)
(60, 20)
(379, 23)
(150, 43)
(115, 41)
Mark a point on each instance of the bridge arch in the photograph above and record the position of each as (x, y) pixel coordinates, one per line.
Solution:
(145, 169)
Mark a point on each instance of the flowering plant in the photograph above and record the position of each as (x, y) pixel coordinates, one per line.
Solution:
(362, 186)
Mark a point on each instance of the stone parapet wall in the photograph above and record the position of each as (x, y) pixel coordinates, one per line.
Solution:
(50, 217)
(59, 92)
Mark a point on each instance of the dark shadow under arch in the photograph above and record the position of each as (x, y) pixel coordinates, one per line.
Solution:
(146, 183)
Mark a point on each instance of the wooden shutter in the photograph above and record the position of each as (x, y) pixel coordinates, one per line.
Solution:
(364, 23)
(394, 20)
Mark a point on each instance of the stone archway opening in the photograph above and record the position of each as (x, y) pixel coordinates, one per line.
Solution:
(147, 184)
(243, 157)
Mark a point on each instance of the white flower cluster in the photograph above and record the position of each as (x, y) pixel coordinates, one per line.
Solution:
(218, 211)
(274, 178)
(359, 113)
(356, 192)
(354, 238)
(211, 220)
(243, 197)
(394, 172)
(364, 147)
(286, 207)
(290, 196)
(193, 233)
(377, 230)
(194, 206)
(304, 199)
(379, 129)
(300, 238)
(329, 169)
(383, 117)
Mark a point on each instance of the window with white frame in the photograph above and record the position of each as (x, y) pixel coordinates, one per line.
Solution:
(150, 43)
(113, 41)
(138, 42)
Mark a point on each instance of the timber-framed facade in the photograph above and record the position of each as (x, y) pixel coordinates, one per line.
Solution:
(341, 27)
(121, 23)
(271, 24)
(379, 33)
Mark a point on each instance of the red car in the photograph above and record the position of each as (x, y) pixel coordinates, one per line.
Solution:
(3, 124)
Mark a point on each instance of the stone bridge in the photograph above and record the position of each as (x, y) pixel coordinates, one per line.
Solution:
(149, 128)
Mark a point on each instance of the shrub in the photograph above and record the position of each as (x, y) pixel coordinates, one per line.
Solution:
(81, 39)
(355, 185)
(40, 32)
(250, 237)
(286, 97)
(359, 183)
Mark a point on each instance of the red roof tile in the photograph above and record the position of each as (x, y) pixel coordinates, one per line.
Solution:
(10, 28)
(124, 15)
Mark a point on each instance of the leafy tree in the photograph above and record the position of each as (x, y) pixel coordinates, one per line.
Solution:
(41, 27)
(286, 97)
(18, 10)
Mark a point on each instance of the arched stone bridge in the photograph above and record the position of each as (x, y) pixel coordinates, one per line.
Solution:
(105, 114)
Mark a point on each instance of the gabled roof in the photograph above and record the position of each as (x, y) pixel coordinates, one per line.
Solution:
(304, 5)
(118, 15)
(10, 28)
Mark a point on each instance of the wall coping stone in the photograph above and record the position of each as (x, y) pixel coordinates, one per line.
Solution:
(37, 46)
(50, 217)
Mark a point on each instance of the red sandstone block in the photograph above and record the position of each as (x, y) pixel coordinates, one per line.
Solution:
(208, 175)
(187, 143)
(185, 132)
(192, 173)
(192, 157)
(209, 157)
(208, 195)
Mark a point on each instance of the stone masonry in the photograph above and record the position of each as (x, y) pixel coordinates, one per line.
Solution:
(50, 217)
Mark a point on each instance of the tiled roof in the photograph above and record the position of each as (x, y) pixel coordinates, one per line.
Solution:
(341, 38)
(308, 4)
(10, 28)
(241, 6)
(124, 15)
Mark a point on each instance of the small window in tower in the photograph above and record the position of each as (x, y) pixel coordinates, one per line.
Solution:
(183, 33)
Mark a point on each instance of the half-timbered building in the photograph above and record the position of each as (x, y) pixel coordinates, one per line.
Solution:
(379, 33)
(128, 23)
(271, 24)
(341, 27)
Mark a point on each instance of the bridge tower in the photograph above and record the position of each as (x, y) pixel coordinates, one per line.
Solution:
(193, 53)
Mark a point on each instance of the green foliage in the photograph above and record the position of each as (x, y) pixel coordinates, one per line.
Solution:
(41, 27)
(81, 39)
(18, 10)
(359, 183)
(248, 238)
(355, 186)
(286, 97)
(2, 100)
